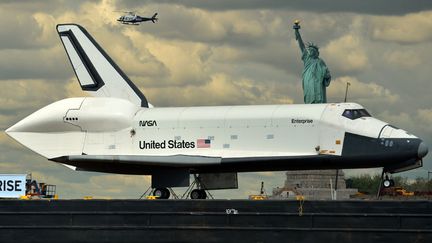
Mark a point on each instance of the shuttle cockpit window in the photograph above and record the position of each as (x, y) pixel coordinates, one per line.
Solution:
(355, 113)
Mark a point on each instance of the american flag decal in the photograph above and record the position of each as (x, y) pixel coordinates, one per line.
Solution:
(203, 143)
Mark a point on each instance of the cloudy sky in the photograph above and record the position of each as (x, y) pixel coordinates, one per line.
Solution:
(217, 53)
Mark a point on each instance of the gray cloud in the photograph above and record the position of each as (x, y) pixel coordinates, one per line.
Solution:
(19, 31)
(50, 64)
(379, 7)
(410, 28)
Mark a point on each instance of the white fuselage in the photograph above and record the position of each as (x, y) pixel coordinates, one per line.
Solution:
(116, 130)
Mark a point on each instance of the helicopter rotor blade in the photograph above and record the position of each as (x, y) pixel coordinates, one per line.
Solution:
(122, 11)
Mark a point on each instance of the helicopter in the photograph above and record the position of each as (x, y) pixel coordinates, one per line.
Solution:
(132, 18)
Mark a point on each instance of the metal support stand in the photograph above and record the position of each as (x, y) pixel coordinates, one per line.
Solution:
(173, 193)
(196, 183)
(149, 191)
(428, 185)
(336, 184)
(202, 186)
(380, 185)
(188, 190)
(346, 91)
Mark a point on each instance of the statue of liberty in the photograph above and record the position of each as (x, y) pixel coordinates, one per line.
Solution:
(316, 75)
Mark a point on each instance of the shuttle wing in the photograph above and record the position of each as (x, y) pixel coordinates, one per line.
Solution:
(170, 160)
(96, 71)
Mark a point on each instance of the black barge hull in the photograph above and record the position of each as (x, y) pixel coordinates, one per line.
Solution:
(214, 221)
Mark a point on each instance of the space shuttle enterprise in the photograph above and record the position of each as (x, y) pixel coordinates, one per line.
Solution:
(119, 131)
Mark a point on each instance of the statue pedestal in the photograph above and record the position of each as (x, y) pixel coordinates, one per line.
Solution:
(313, 185)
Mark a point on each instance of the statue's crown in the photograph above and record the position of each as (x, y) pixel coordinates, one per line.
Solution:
(310, 44)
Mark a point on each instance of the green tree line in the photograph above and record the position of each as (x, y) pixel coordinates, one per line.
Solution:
(369, 184)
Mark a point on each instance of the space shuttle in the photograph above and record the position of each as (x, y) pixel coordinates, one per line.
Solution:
(117, 130)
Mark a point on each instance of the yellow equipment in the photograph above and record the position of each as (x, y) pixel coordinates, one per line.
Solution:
(403, 192)
(258, 197)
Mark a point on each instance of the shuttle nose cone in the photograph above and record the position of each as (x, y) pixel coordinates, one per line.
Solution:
(422, 150)
(7, 131)
(14, 128)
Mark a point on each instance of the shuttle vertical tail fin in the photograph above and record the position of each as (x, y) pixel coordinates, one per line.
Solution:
(96, 71)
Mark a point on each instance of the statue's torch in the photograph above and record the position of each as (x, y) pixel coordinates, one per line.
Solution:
(296, 24)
